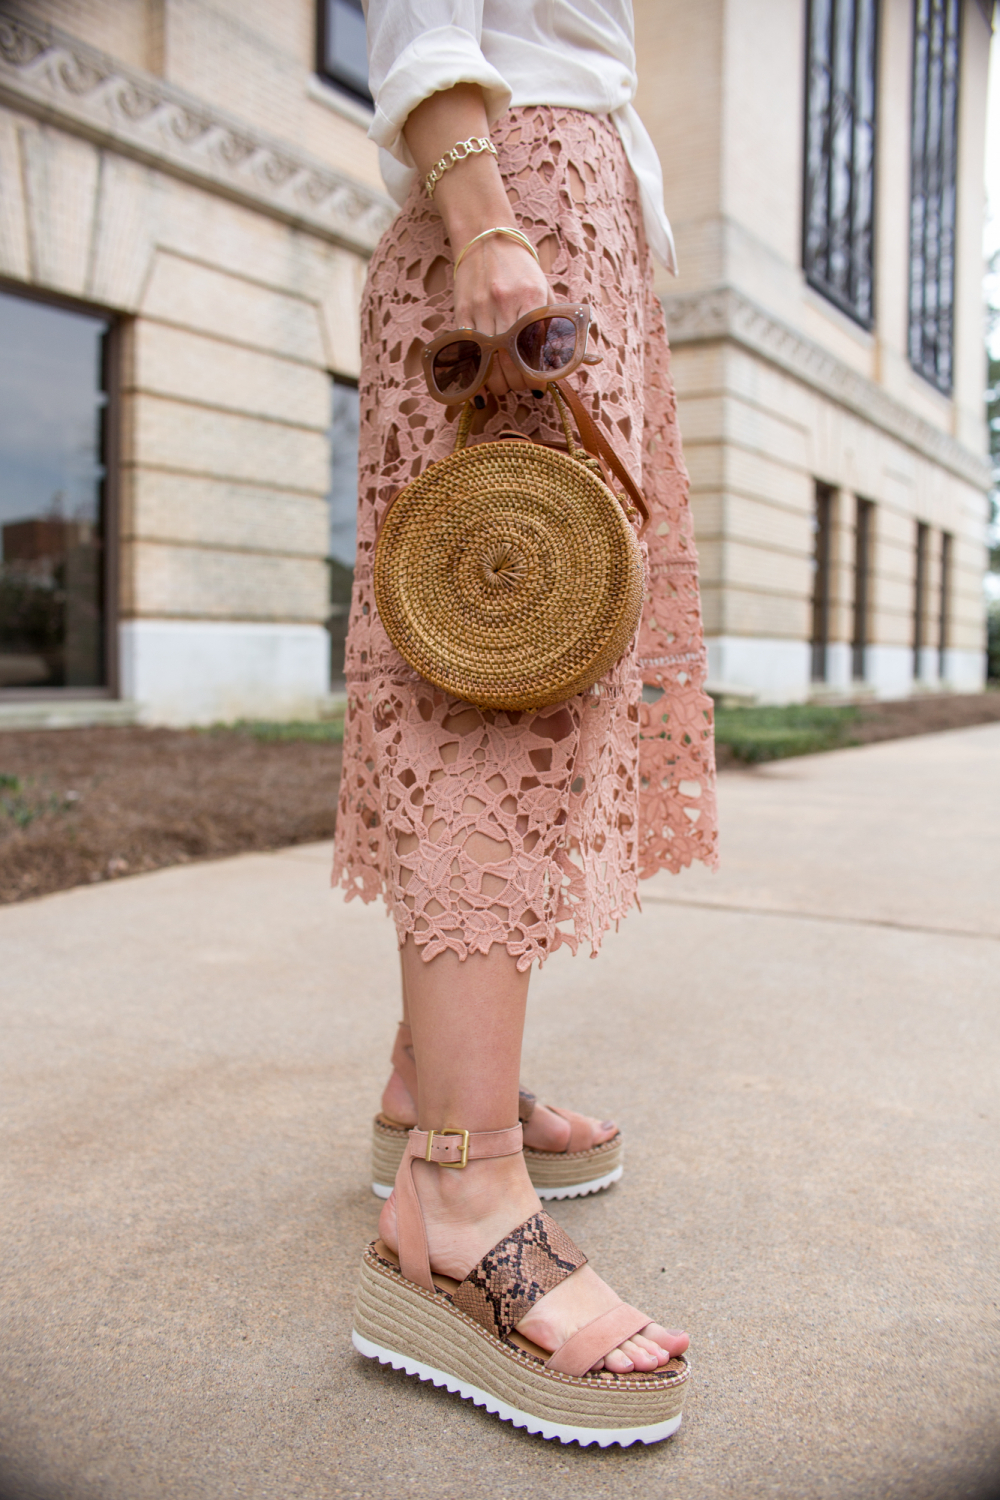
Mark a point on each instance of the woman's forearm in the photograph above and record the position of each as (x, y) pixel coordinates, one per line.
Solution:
(470, 196)
(498, 280)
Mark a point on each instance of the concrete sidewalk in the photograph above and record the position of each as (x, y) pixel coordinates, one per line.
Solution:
(804, 1051)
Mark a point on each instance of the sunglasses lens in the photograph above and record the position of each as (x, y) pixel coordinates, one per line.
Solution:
(456, 366)
(547, 345)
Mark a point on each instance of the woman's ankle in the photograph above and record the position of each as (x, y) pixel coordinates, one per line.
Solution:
(397, 1102)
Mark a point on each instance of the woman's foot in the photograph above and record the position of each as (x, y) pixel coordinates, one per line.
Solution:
(466, 1213)
(544, 1131)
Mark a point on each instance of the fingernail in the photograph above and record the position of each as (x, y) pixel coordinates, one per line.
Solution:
(536, 394)
(479, 402)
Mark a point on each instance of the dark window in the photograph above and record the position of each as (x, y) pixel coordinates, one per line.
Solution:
(822, 571)
(53, 500)
(838, 228)
(920, 595)
(343, 503)
(944, 602)
(932, 189)
(342, 47)
(863, 528)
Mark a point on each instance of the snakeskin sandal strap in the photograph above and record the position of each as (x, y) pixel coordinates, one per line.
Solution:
(516, 1273)
(526, 1102)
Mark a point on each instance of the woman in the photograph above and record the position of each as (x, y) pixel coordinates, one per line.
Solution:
(495, 837)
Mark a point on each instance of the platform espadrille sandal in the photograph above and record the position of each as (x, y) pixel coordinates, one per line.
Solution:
(581, 1168)
(462, 1335)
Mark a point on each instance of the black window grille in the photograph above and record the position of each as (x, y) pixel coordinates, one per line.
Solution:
(933, 189)
(342, 48)
(839, 203)
(944, 604)
(920, 572)
(863, 529)
(822, 579)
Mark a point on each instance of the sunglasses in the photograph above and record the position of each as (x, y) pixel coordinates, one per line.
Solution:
(544, 345)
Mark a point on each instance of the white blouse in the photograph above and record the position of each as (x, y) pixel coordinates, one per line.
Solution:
(579, 54)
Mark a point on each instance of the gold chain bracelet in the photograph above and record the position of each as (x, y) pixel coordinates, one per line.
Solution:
(515, 234)
(472, 147)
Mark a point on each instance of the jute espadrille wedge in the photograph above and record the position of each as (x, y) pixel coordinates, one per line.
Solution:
(582, 1168)
(462, 1335)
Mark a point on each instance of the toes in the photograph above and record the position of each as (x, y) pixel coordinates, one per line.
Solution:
(651, 1347)
(618, 1362)
(604, 1130)
(670, 1339)
(642, 1358)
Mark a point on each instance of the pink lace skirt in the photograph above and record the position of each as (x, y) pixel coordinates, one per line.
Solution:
(575, 803)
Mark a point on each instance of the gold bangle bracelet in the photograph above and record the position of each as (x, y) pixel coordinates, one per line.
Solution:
(472, 147)
(514, 234)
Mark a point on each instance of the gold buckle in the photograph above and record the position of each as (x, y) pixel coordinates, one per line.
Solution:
(448, 1131)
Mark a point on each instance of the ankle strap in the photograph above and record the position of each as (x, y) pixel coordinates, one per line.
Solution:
(453, 1148)
(445, 1148)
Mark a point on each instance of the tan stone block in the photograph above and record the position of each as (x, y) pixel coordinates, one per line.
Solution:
(171, 434)
(173, 361)
(164, 506)
(762, 567)
(744, 425)
(761, 612)
(202, 583)
(60, 179)
(214, 301)
(128, 214)
(749, 519)
(13, 220)
(768, 479)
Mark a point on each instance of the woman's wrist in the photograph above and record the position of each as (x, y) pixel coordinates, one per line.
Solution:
(473, 201)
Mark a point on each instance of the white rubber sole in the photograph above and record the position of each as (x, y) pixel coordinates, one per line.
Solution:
(602, 1436)
(547, 1194)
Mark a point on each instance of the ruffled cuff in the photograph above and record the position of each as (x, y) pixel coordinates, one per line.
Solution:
(433, 61)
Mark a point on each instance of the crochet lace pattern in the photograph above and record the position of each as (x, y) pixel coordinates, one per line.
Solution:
(527, 829)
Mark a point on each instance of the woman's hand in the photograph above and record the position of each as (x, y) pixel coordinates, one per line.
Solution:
(498, 280)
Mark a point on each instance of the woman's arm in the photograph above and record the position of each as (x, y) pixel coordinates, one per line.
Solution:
(498, 280)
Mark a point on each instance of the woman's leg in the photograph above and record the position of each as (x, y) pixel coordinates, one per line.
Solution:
(467, 1020)
(545, 1131)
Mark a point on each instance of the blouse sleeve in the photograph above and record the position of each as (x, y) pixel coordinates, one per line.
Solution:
(415, 49)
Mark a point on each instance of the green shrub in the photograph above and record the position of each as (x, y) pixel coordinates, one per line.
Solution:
(770, 733)
(323, 730)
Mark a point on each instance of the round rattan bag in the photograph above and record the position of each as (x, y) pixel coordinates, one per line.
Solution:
(508, 574)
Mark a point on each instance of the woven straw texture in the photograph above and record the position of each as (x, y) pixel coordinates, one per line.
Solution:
(527, 829)
(427, 1327)
(508, 575)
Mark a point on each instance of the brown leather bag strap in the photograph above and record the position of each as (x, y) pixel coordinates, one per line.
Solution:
(596, 443)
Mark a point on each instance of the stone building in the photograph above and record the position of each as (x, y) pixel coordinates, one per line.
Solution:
(187, 203)
(824, 166)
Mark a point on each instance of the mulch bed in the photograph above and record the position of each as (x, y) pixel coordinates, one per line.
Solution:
(83, 805)
(96, 804)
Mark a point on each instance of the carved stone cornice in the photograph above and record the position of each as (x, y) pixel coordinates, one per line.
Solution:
(726, 314)
(56, 78)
